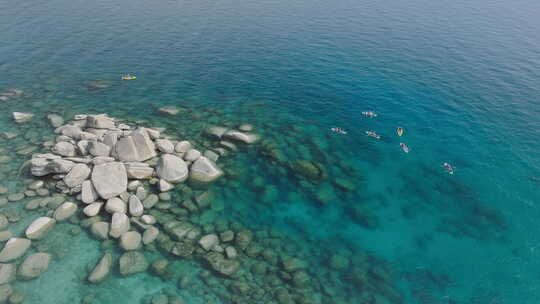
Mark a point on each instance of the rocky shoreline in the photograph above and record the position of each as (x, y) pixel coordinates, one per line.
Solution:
(140, 192)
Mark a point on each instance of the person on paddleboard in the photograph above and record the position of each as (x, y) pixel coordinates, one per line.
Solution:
(448, 168)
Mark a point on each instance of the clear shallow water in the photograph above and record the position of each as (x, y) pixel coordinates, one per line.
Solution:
(462, 78)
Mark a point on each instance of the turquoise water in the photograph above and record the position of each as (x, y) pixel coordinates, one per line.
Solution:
(462, 78)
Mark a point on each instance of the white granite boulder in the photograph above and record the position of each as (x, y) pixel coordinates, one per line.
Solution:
(100, 121)
(34, 265)
(119, 225)
(165, 186)
(139, 170)
(165, 145)
(88, 193)
(77, 175)
(64, 148)
(136, 148)
(109, 179)
(14, 249)
(96, 148)
(150, 235)
(192, 155)
(172, 168)
(93, 209)
(100, 230)
(39, 227)
(115, 205)
(182, 146)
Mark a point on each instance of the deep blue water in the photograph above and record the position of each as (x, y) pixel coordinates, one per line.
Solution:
(462, 77)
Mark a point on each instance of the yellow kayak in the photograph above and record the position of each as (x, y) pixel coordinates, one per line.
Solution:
(400, 131)
(128, 77)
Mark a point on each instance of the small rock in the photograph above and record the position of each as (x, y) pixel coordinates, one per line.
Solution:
(98, 149)
(65, 211)
(102, 269)
(182, 146)
(148, 219)
(55, 120)
(93, 209)
(21, 117)
(7, 273)
(130, 240)
(100, 230)
(114, 205)
(4, 223)
(88, 192)
(150, 201)
(207, 242)
(34, 265)
(230, 252)
(39, 227)
(119, 225)
(150, 235)
(141, 193)
(165, 145)
(77, 175)
(64, 148)
(170, 110)
(192, 155)
(165, 186)
(14, 249)
(136, 208)
(132, 262)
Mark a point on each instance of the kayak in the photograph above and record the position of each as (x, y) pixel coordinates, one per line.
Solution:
(400, 131)
(339, 130)
(128, 77)
(404, 147)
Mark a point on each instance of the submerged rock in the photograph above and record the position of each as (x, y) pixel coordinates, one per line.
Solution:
(209, 241)
(21, 117)
(308, 169)
(132, 262)
(100, 230)
(55, 120)
(14, 249)
(130, 240)
(246, 138)
(204, 171)
(34, 265)
(102, 269)
(7, 273)
(39, 227)
(169, 110)
(222, 265)
(5, 292)
(65, 211)
(150, 235)
(109, 179)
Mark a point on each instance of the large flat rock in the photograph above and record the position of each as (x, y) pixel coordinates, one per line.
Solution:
(109, 179)
(136, 148)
